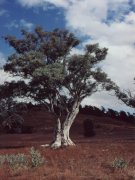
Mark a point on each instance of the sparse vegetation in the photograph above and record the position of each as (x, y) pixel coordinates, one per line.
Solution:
(92, 158)
(119, 163)
(14, 159)
(18, 159)
(86, 161)
(36, 158)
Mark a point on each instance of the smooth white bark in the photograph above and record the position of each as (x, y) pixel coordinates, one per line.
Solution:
(62, 136)
(67, 125)
(57, 135)
(62, 131)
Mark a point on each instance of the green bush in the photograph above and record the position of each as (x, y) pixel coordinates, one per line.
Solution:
(14, 159)
(119, 163)
(2, 159)
(36, 158)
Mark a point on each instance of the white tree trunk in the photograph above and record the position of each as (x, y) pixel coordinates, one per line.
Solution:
(62, 131)
(57, 135)
(66, 127)
(62, 137)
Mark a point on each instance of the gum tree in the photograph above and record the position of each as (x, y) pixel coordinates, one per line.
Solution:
(11, 111)
(55, 78)
(127, 97)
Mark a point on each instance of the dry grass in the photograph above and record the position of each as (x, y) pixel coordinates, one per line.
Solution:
(91, 161)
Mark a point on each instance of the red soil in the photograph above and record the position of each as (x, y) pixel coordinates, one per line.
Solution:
(90, 159)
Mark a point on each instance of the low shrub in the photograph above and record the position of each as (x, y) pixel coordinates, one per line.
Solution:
(14, 159)
(119, 163)
(36, 158)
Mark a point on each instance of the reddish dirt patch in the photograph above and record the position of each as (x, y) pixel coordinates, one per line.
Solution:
(85, 161)
(90, 159)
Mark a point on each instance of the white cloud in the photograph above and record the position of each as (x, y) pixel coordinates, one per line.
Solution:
(92, 17)
(104, 99)
(115, 31)
(3, 76)
(3, 12)
(133, 1)
(20, 24)
(2, 59)
(119, 63)
(130, 18)
(45, 3)
(7, 77)
(30, 3)
(109, 22)
(25, 24)
(12, 24)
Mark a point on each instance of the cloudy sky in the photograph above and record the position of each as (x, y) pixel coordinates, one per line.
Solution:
(109, 22)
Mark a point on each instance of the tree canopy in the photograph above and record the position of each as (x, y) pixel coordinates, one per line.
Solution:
(53, 76)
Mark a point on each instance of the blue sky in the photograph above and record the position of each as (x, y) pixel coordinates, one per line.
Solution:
(13, 17)
(109, 22)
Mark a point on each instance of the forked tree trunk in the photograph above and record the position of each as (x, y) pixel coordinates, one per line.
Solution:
(67, 126)
(62, 134)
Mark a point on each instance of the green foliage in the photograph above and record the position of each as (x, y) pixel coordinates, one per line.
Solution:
(14, 159)
(9, 90)
(36, 158)
(56, 78)
(18, 160)
(127, 97)
(11, 114)
(119, 163)
(38, 48)
(2, 159)
(54, 72)
(12, 121)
